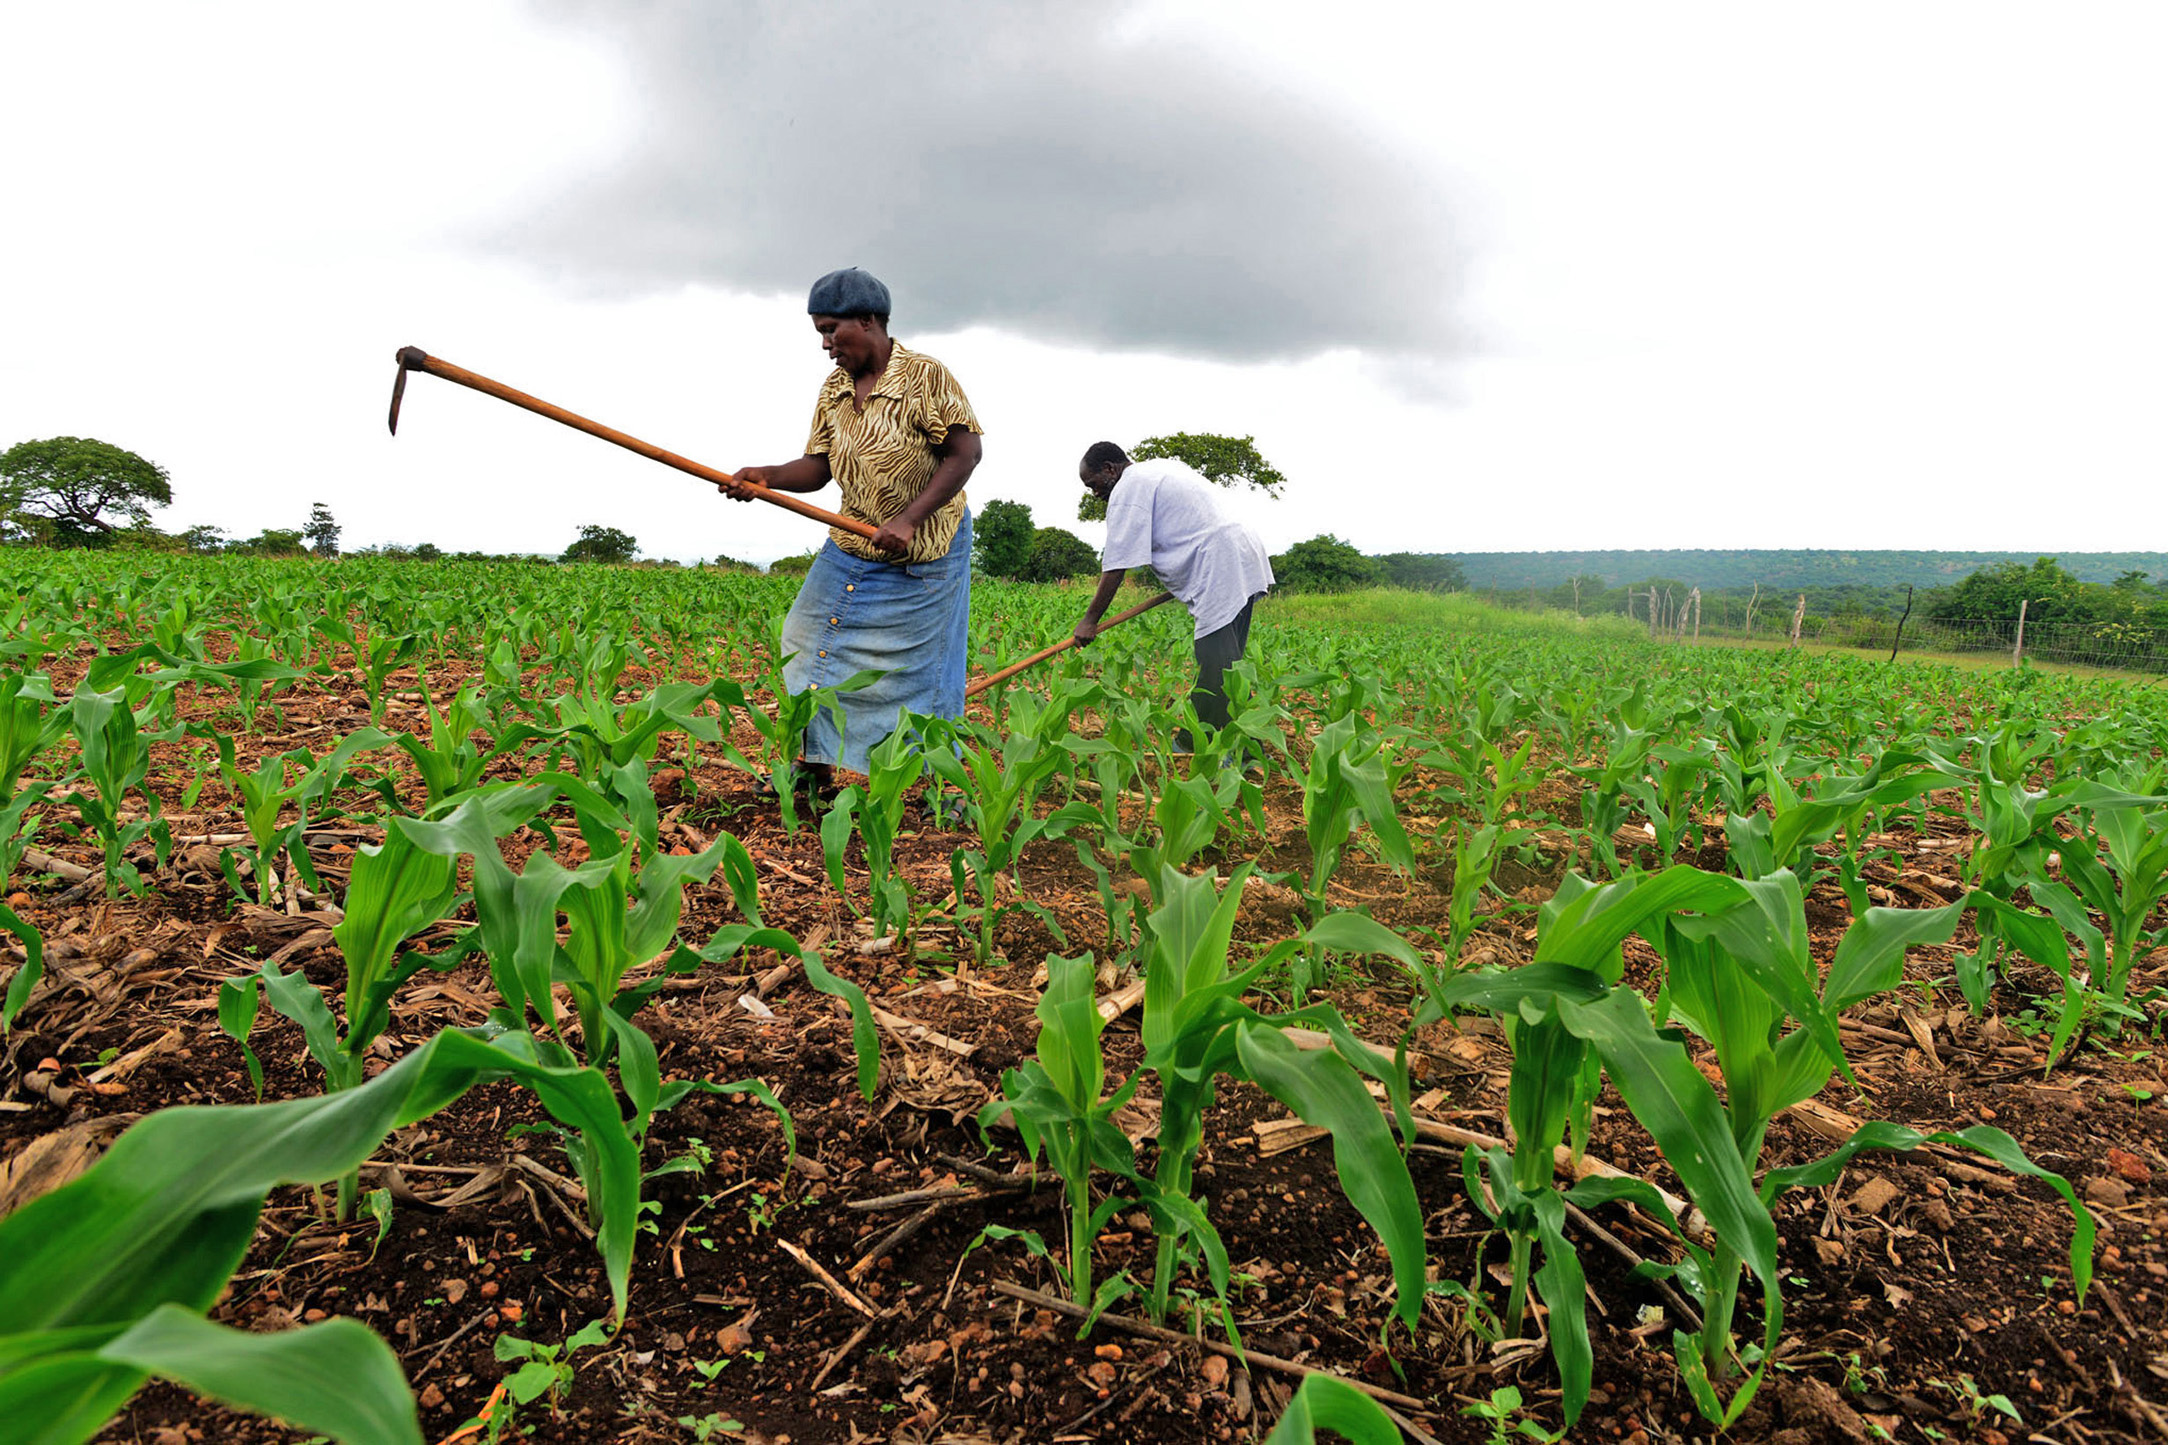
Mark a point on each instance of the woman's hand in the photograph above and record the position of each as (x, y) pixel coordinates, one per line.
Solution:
(1086, 630)
(895, 536)
(740, 487)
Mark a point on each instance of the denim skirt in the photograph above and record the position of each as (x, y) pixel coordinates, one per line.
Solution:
(911, 622)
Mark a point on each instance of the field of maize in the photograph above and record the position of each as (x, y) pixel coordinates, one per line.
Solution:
(424, 1022)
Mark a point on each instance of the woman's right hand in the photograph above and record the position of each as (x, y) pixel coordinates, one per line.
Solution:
(740, 487)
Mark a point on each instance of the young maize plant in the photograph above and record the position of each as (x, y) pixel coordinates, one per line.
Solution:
(1344, 785)
(30, 723)
(1476, 850)
(783, 731)
(377, 655)
(1055, 1101)
(877, 808)
(268, 792)
(1739, 975)
(1000, 778)
(2118, 868)
(116, 756)
(1197, 1030)
(453, 759)
(2017, 836)
(396, 891)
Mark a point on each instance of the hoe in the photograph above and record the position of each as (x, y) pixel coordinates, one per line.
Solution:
(413, 358)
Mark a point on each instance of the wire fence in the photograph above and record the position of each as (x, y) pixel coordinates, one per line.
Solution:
(2121, 646)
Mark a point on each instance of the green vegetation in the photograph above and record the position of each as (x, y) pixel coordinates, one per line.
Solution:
(1229, 461)
(1688, 800)
(68, 491)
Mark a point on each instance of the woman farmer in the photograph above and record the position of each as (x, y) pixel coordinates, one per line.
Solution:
(893, 429)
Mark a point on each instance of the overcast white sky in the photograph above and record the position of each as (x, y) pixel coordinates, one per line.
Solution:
(1476, 277)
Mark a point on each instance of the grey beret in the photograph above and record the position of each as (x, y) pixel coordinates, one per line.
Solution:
(849, 292)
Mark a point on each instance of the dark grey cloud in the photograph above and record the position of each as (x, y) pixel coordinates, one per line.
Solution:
(1016, 165)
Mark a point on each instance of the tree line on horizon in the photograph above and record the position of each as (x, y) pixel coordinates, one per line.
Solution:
(80, 492)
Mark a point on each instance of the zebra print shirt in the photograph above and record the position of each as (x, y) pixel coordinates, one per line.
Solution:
(883, 457)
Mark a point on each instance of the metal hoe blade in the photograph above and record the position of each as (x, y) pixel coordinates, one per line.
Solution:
(398, 392)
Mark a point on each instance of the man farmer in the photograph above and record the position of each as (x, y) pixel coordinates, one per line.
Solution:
(1164, 515)
(894, 430)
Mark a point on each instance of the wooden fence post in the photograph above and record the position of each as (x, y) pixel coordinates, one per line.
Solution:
(1799, 616)
(1901, 624)
(2017, 653)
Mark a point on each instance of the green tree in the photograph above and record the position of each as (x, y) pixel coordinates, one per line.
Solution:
(271, 542)
(601, 544)
(1001, 534)
(1423, 571)
(322, 531)
(203, 537)
(796, 566)
(1056, 555)
(1325, 564)
(1226, 460)
(62, 489)
(1996, 592)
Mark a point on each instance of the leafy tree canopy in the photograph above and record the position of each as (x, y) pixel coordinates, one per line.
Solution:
(1001, 535)
(271, 542)
(1325, 564)
(322, 531)
(1228, 461)
(1056, 554)
(1423, 571)
(63, 489)
(1996, 592)
(602, 544)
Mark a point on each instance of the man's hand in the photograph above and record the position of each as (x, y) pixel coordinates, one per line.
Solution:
(1086, 630)
(740, 487)
(895, 536)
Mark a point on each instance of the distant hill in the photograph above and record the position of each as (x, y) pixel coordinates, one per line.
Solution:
(1781, 570)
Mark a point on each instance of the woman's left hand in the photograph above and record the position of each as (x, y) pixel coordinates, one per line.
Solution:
(895, 536)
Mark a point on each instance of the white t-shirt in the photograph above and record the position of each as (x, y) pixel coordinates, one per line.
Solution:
(1164, 514)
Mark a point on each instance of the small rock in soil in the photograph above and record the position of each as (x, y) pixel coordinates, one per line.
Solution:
(2112, 1193)
(2129, 1167)
(1874, 1196)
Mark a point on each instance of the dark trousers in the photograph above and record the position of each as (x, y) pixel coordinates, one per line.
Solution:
(1216, 652)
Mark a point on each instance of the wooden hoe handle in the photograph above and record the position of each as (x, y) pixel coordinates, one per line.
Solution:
(1062, 646)
(413, 358)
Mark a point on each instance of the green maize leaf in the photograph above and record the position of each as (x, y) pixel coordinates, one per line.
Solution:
(337, 1377)
(1672, 1100)
(1504, 993)
(1069, 1028)
(865, 1038)
(1982, 1138)
(1687, 1350)
(1326, 1093)
(638, 1069)
(2043, 941)
(1325, 1403)
(239, 999)
(1587, 928)
(1765, 942)
(1870, 958)
(396, 890)
(1349, 932)
(1564, 1289)
(33, 967)
(168, 1213)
